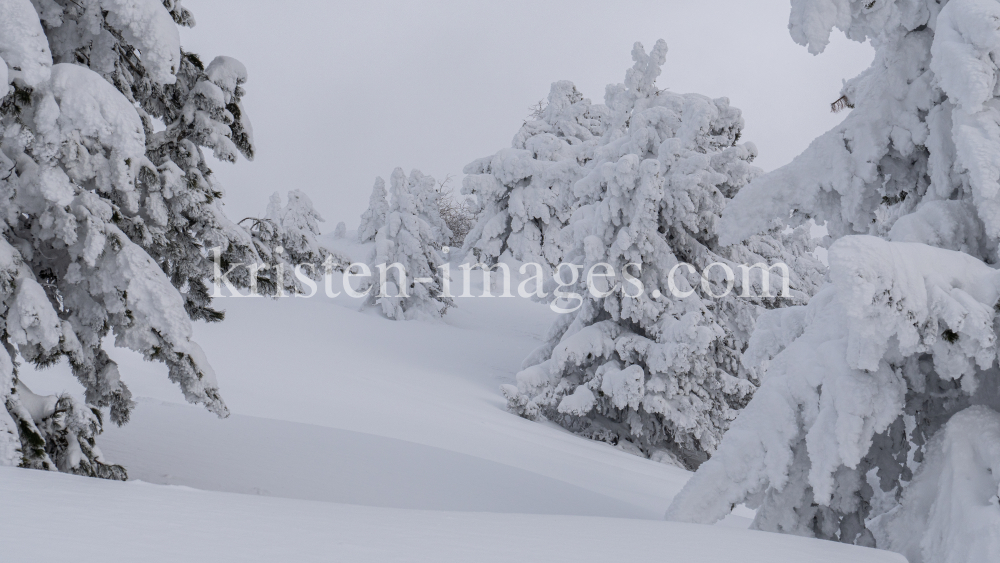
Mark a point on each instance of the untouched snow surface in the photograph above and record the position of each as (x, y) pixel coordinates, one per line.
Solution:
(398, 427)
(285, 459)
(113, 521)
(419, 393)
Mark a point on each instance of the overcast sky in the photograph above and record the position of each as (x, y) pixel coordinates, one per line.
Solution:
(340, 93)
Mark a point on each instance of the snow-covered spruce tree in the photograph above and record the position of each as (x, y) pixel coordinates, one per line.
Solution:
(174, 213)
(374, 217)
(657, 373)
(201, 109)
(862, 431)
(105, 223)
(424, 190)
(411, 236)
(340, 231)
(524, 193)
(286, 237)
(858, 385)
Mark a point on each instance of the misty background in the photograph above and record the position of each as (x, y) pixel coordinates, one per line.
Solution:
(342, 92)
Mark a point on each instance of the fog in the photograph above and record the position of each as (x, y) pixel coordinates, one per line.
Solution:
(340, 93)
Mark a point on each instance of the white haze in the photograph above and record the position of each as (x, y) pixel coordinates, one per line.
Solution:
(340, 93)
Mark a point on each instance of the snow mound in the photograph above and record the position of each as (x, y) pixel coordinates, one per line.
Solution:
(260, 456)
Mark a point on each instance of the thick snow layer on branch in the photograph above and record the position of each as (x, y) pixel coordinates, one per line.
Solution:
(894, 315)
(31, 319)
(88, 107)
(966, 44)
(229, 75)
(901, 289)
(879, 21)
(148, 26)
(89, 104)
(23, 45)
(925, 126)
(226, 73)
(159, 320)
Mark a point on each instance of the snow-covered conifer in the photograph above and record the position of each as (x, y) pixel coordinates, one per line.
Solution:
(424, 190)
(862, 431)
(411, 237)
(648, 369)
(524, 193)
(340, 231)
(288, 235)
(174, 213)
(910, 162)
(374, 217)
(859, 383)
(106, 224)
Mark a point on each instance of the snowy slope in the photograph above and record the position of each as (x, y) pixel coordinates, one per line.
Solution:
(286, 459)
(107, 521)
(431, 386)
(398, 427)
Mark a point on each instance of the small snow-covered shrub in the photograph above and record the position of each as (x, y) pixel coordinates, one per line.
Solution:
(340, 231)
(457, 212)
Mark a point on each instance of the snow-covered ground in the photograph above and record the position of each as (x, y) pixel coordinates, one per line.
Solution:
(398, 428)
(91, 520)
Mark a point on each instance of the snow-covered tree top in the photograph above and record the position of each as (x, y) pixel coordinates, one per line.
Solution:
(919, 145)
(298, 219)
(881, 21)
(640, 82)
(567, 116)
(525, 192)
(374, 217)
